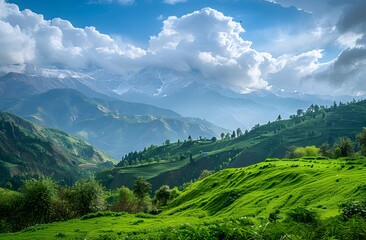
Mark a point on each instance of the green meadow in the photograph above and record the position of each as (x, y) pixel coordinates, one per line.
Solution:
(238, 204)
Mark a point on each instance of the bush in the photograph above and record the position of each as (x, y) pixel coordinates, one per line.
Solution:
(353, 209)
(303, 215)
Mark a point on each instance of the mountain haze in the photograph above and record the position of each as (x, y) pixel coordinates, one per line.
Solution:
(115, 126)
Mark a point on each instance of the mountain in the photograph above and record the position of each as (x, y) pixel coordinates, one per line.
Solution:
(166, 88)
(274, 139)
(189, 96)
(115, 126)
(27, 150)
(18, 85)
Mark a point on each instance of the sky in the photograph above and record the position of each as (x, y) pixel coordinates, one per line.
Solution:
(313, 46)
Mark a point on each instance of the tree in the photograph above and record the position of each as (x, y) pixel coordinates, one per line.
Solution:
(279, 118)
(189, 138)
(299, 112)
(191, 158)
(87, 197)
(126, 200)
(38, 197)
(222, 135)
(141, 188)
(239, 132)
(205, 173)
(227, 136)
(325, 150)
(233, 135)
(163, 195)
(213, 139)
(167, 142)
(361, 137)
(345, 146)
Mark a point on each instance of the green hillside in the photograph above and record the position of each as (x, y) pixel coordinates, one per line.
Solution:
(28, 150)
(236, 204)
(169, 164)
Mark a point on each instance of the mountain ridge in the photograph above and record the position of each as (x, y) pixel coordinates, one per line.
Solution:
(28, 150)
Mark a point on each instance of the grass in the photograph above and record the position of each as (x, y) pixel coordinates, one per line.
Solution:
(250, 193)
(152, 170)
(275, 184)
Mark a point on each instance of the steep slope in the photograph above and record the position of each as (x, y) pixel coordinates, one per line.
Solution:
(114, 126)
(27, 149)
(270, 140)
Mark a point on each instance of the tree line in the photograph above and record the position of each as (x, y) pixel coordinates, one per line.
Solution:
(40, 201)
(344, 147)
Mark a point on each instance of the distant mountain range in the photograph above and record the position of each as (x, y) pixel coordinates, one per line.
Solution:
(114, 126)
(166, 88)
(27, 150)
(188, 96)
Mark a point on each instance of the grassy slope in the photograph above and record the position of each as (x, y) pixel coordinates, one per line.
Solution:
(270, 140)
(28, 149)
(253, 191)
(259, 189)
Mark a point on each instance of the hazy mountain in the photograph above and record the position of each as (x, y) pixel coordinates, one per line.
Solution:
(16, 85)
(27, 149)
(185, 94)
(166, 88)
(115, 126)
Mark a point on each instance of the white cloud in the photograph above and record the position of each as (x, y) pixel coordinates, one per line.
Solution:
(204, 46)
(209, 43)
(32, 39)
(173, 2)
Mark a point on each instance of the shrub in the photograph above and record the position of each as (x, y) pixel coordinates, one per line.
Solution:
(352, 209)
(274, 216)
(303, 215)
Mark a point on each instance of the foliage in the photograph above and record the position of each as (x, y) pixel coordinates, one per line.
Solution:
(141, 188)
(205, 173)
(352, 209)
(126, 201)
(163, 195)
(86, 196)
(344, 148)
(274, 216)
(303, 215)
(38, 198)
(299, 152)
(361, 137)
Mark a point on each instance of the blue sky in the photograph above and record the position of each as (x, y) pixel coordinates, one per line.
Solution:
(143, 18)
(313, 46)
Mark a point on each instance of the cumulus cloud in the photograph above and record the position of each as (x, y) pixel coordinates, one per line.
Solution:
(204, 46)
(29, 38)
(209, 43)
